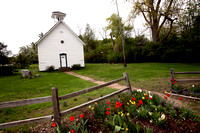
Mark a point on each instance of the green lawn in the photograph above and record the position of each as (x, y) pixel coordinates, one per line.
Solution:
(16, 88)
(151, 76)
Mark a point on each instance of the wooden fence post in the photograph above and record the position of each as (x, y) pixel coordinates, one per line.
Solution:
(56, 107)
(171, 77)
(127, 81)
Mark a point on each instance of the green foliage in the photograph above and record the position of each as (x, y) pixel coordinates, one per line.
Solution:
(117, 122)
(156, 100)
(30, 51)
(149, 130)
(89, 39)
(113, 25)
(76, 67)
(125, 97)
(22, 61)
(186, 113)
(132, 110)
(5, 67)
(4, 54)
(50, 68)
(142, 112)
(6, 70)
(100, 109)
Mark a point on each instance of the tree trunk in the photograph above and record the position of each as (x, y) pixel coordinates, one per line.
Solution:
(155, 34)
(113, 44)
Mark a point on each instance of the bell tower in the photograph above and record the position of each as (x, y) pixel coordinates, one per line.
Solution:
(58, 16)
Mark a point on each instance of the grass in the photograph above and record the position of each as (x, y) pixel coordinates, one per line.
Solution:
(141, 75)
(149, 76)
(17, 88)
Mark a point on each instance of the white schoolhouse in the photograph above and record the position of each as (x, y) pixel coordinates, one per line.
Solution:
(60, 46)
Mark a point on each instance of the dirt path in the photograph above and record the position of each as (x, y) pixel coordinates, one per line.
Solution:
(118, 86)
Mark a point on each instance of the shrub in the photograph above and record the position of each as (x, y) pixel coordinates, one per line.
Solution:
(50, 68)
(76, 67)
(6, 70)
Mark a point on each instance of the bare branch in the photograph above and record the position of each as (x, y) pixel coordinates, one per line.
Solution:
(171, 20)
(168, 8)
(162, 22)
(158, 5)
(144, 15)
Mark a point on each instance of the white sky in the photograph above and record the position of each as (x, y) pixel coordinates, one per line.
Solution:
(23, 20)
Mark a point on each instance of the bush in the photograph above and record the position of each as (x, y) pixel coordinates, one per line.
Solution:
(6, 70)
(76, 67)
(50, 68)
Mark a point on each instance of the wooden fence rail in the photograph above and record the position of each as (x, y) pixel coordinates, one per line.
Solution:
(172, 73)
(25, 102)
(55, 99)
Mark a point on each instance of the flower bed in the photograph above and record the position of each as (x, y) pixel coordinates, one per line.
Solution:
(193, 91)
(136, 112)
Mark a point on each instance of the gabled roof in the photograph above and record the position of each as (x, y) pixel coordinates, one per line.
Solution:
(47, 33)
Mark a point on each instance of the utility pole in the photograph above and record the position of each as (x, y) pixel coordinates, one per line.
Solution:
(121, 31)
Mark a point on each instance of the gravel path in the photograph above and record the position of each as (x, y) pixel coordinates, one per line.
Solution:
(118, 86)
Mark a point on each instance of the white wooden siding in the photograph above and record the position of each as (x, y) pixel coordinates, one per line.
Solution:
(50, 48)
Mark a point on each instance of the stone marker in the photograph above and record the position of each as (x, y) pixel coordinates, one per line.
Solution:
(25, 72)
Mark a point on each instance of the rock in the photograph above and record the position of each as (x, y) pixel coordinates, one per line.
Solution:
(25, 72)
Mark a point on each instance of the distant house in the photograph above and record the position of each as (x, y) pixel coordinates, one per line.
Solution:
(60, 46)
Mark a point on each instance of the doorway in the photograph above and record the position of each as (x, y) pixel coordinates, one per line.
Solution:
(63, 60)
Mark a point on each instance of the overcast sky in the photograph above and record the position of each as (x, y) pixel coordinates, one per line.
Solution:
(23, 20)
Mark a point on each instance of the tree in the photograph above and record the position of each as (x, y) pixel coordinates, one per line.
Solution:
(113, 26)
(4, 54)
(189, 21)
(41, 35)
(157, 14)
(5, 67)
(22, 61)
(30, 51)
(89, 38)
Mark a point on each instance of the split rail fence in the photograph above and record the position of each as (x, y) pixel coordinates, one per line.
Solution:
(57, 114)
(172, 76)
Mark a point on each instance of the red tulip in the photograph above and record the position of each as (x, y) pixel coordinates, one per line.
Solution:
(140, 101)
(172, 79)
(168, 95)
(108, 103)
(72, 131)
(165, 97)
(107, 112)
(82, 115)
(54, 124)
(180, 98)
(118, 104)
(150, 98)
(72, 118)
(133, 98)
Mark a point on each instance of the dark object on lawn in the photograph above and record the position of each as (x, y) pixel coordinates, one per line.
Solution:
(76, 67)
